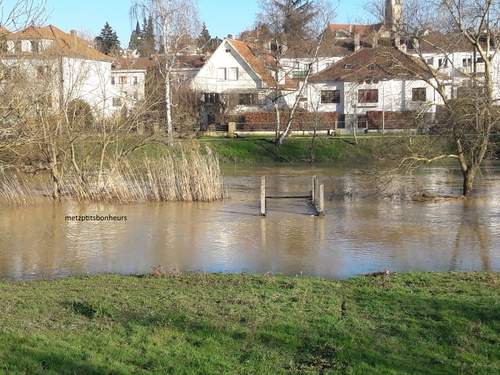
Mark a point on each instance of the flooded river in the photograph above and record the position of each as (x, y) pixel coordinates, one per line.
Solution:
(361, 231)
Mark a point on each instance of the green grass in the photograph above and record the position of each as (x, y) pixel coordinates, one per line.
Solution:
(296, 150)
(421, 323)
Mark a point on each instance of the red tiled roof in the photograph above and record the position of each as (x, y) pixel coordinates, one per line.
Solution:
(362, 30)
(134, 63)
(374, 63)
(257, 61)
(62, 43)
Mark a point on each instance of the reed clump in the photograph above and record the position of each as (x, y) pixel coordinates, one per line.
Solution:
(18, 191)
(181, 175)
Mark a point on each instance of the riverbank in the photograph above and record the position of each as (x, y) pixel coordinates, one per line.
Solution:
(322, 149)
(425, 323)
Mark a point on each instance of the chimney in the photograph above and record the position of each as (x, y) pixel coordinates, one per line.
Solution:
(356, 41)
(74, 37)
(416, 44)
(397, 40)
(375, 40)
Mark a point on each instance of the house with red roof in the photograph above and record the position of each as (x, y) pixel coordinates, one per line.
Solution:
(239, 78)
(376, 89)
(59, 68)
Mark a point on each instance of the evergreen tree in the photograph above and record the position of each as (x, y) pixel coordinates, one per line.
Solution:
(134, 38)
(204, 39)
(107, 41)
(147, 38)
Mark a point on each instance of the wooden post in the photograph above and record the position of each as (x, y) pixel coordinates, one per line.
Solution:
(313, 189)
(263, 196)
(321, 207)
(231, 128)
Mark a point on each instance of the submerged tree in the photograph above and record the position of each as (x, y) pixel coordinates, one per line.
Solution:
(468, 89)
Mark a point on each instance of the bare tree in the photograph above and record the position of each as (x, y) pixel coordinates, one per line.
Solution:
(22, 13)
(469, 89)
(175, 23)
(291, 27)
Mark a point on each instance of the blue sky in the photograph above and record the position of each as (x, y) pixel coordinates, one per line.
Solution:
(222, 17)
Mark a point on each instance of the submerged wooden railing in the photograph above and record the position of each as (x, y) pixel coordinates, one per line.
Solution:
(316, 197)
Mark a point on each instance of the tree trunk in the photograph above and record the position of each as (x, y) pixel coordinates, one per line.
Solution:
(168, 104)
(278, 121)
(468, 181)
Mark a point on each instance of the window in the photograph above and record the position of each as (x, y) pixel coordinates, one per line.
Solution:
(136, 95)
(443, 63)
(35, 46)
(221, 74)
(419, 94)
(122, 80)
(368, 96)
(212, 98)
(228, 50)
(467, 62)
(117, 102)
(348, 66)
(330, 96)
(299, 74)
(247, 99)
(233, 74)
(135, 81)
(113, 80)
(43, 72)
(18, 46)
(430, 61)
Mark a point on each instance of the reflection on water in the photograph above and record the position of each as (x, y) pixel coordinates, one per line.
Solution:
(356, 236)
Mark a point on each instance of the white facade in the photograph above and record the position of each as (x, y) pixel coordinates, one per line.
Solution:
(226, 70)
(396, 95)
(60, 67)
(130, 86)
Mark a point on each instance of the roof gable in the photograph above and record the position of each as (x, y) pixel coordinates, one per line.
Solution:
(257, 61)
(375, 63)
(65, 44)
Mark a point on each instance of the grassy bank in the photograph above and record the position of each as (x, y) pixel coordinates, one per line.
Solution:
(422, 323)
(324, 149)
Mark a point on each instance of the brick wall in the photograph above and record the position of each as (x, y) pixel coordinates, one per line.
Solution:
(393, 120)
(266, 120)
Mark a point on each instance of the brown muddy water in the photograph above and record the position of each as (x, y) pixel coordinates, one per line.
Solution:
(363, 230)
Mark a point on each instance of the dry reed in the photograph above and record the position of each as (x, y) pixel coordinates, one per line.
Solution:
(18, 192)
(182, 175)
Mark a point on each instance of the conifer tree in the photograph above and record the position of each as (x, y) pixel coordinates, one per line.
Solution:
(204, 39)
(107, 41)
(134, 37)
(147, 38)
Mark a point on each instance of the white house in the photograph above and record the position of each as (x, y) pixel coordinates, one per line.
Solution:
(372, 88)
(58, 67)
(128, 78)
(239, 78)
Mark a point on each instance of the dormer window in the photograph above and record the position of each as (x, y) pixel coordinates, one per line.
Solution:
(348, 66)
(35, 46)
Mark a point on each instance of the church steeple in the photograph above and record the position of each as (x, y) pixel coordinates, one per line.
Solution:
(394, 14)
